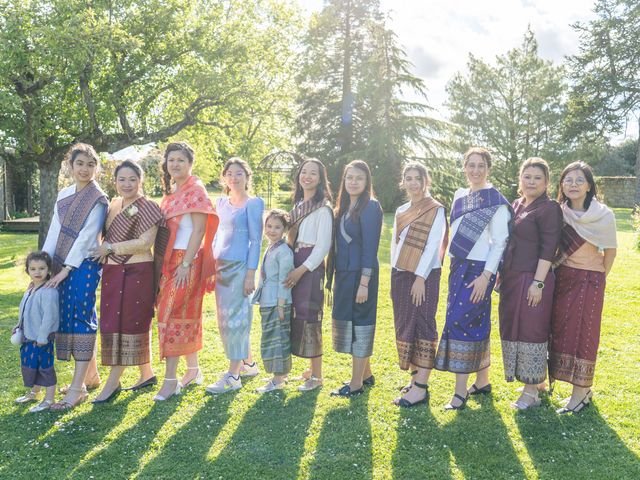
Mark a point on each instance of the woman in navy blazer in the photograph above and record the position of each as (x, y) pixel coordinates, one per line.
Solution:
(357, 236)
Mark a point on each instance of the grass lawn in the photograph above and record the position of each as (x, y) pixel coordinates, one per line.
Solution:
(293, 435)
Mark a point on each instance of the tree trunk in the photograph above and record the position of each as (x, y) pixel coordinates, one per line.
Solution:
(48, 193)
(636, 203)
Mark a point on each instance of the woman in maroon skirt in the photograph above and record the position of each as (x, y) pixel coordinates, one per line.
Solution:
(526, 288)
(128, 286)
(587, 250)
(417, 250)
(310, 238)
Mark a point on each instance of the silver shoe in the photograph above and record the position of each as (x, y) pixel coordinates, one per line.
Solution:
(311, 384)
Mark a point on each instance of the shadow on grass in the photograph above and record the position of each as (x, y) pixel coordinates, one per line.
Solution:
(269, 442)
(122, 455)
(76, 434)
(345, 436)
(575, 446)
(185, 454)
(479, 441)
(421, 451)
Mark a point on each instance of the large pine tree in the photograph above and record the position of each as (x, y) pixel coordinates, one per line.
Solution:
(351, 96)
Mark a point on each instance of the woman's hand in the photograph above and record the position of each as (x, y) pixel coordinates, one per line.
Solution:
(58, 279)
(40, 344)
(249, 283)
(294, 276)
(534, 295)
(479, 286)
(281, 312)
(182, 275)
(363, 294)
(417, 291)
(99, 254)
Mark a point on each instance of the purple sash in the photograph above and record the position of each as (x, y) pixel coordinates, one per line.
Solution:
(73, 212)
(477, 209)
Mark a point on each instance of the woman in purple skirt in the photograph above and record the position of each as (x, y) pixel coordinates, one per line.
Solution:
(310, 237)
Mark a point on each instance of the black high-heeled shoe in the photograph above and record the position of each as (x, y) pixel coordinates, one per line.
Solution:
(346, 391)
(450, 406)
(111, 396)
(474, 390)
(149, 382)
(579, 407)
(367, 382)
(404, 403)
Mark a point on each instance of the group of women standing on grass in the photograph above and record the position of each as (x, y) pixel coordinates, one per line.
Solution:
(170, 256)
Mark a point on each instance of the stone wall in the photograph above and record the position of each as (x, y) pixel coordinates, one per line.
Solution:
(617, 191)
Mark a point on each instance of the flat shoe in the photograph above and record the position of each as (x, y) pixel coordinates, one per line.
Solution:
(311, 384)
(474, 390)
(520, 405)
(64, 405)
(151, 381)
(41, 407)
(65, 389)
(27, 397)
(271, 386)
(346, 391)
(367, 382)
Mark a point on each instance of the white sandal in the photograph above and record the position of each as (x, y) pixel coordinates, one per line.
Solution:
(198, 379)
(521, 405)
(160, 398)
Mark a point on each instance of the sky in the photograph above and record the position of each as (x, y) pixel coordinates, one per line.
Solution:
(438, 35)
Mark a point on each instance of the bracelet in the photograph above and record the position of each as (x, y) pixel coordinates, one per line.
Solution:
(363, 285)
(69, 268)
(488, 278)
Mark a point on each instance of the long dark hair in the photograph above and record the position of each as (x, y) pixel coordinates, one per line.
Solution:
(323, 192)
(344, 199)
(586, 170)
(183, 147)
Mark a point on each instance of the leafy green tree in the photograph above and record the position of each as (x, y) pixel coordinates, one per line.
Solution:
(115, 74)
(605, 72)
(514, 107)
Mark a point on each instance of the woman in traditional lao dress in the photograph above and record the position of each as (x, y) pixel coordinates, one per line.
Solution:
(128, 286)
(355, 292)
(310, 238)
(417, 249)
(188, 269)
(479, 232)
(74, 232)
(236, 249)
(527, 282)
(587, 251)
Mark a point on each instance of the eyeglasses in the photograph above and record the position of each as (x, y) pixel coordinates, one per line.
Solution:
(578, 181)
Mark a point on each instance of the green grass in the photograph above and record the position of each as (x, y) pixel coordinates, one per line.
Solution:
(294, 435)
